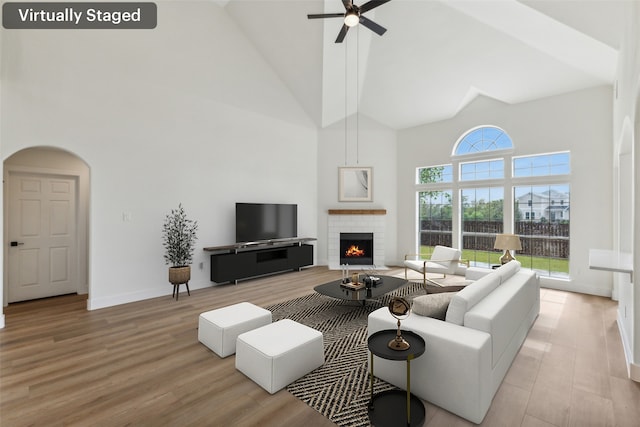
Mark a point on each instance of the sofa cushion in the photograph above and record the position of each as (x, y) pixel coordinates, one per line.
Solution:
(507, 270)
(470, 296)
(432, 305)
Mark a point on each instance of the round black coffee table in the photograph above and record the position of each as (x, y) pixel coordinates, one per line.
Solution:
(335, 289)
(395, 407)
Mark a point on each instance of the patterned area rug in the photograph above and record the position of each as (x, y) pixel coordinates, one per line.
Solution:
(340, 389)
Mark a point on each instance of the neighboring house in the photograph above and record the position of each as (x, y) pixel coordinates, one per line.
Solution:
(549, 206)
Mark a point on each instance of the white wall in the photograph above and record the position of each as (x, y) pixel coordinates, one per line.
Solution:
(376, 147)
(626, 129)
(579, 121)
(2, 298)
(186, 113)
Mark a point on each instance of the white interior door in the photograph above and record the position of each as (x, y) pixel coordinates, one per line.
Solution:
(42, 236)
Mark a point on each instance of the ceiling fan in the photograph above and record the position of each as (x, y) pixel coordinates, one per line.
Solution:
(353, 16)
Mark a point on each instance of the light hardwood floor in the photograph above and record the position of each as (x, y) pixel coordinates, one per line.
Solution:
(141, 364)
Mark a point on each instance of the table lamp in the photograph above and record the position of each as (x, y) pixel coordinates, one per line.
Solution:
(507, 242)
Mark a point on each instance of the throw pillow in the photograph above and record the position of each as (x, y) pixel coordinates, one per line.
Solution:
(432, 305)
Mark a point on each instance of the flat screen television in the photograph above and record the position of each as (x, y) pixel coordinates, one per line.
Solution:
(265, 221)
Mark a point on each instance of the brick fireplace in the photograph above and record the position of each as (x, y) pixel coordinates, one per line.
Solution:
(365, 228)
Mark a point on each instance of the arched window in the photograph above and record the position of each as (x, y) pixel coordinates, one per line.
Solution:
(482, 139)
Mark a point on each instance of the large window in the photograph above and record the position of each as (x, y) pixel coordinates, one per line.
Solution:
(482, 219)
(435, 219)
(541, 215)
(496, 192)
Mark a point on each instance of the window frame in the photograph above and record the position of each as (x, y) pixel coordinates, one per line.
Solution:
(515, 158)
(494, 152)
(508, 182)
(557, 180)
(477, 162)
(420, 232)
(445, 165)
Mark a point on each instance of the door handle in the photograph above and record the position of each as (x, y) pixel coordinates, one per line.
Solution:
(14, 243)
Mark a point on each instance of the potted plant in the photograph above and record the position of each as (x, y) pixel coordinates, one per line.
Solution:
(178, 239)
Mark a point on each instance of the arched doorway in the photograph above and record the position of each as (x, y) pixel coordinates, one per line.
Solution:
(46, 224)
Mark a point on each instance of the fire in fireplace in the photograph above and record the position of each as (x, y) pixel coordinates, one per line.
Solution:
(354, 251)
(356, 248)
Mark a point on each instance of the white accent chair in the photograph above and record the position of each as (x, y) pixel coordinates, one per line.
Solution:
(444, 260)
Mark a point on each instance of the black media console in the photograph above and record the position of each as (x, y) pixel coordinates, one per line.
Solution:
(244, 260)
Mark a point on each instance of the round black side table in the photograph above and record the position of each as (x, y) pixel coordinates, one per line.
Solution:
(395, 407)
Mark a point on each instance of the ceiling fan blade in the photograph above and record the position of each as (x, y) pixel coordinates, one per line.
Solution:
(371, 4)
(342, 34)
(325, 15)
(379, 30)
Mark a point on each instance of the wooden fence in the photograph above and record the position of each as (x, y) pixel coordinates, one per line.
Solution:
(538, 239)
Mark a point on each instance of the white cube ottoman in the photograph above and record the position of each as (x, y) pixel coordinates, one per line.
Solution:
(277, 354)
(219, 328)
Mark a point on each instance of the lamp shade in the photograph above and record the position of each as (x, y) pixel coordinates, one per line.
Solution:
(507, 241)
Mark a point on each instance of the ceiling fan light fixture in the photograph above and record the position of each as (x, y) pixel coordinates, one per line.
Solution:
(351, 19)
(353, 16)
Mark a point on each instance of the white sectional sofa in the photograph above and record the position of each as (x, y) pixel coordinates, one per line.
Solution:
(467, 354)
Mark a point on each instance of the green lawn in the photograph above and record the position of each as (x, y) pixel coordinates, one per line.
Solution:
(553, 265)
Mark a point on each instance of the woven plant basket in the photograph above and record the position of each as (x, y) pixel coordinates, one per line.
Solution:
(178, 275)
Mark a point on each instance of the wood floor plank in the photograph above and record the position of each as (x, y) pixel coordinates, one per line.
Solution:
(588, 409)
(511, 397)
(625, 398)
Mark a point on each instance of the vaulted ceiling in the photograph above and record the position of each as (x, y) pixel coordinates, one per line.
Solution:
(436, 56)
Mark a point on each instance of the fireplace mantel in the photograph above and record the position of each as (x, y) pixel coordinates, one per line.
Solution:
(357, 211)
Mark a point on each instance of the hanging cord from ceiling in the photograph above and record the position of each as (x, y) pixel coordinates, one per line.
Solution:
(346, 76)
(357, 95)
(346, 98)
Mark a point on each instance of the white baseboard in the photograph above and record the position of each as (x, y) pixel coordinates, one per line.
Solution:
(1, 321)
(570, 286)
(634, 372)
(633, 369)
(110, 301)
